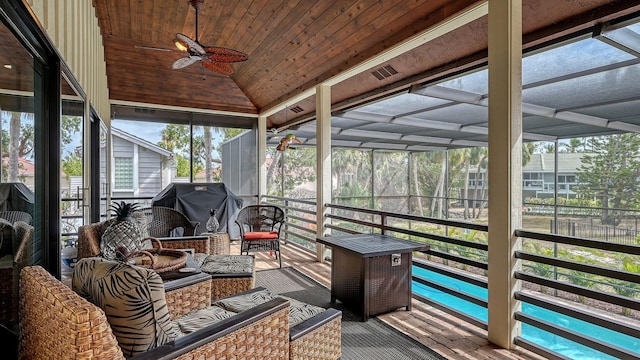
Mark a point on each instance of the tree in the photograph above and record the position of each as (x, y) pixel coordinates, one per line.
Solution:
(70, 125)
(351, 169)
(574, 145)
(528, 149)
(208, 156)
(182, 166)
(289, 169)
(72, 165)
(611, 174)
(483, 163)
(14, 152)
(176, 138)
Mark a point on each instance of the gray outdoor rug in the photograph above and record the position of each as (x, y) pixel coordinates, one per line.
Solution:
(360, 340)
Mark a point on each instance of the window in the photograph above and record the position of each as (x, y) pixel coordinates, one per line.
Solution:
(123, 173)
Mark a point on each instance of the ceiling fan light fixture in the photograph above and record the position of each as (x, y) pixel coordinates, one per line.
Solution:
(181, 45)
(214, 58)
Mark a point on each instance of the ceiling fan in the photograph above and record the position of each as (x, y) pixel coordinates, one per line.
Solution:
(214, 58)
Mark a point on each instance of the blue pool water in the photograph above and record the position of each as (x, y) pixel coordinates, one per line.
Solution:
(550, 341)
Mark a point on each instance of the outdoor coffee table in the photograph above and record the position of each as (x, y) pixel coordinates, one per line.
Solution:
(179, 273)
(371, 273)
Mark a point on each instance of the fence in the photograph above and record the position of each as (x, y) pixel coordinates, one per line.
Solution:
(615, 234)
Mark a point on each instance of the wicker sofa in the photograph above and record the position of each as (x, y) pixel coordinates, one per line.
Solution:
(57, 323)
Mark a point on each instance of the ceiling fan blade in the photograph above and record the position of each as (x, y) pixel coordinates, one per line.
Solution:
(224, 55)
(185, 61)
(192, 45)
(153, 48)
(221, 68)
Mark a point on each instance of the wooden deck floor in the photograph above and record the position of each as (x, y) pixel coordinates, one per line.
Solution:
(447, 335)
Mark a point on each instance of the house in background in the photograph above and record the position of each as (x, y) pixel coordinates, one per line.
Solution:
(537, 177)
(139, 167)
(26, 171)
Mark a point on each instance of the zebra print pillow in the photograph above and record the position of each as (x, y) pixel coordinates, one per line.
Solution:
(133, 300)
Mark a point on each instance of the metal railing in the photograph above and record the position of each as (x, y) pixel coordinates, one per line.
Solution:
(300, 226)
(459, 250)
(604, 321)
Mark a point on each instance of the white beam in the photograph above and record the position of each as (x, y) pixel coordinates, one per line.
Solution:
(262, 157)
(505, 168)
(323, 163)
(180, 108)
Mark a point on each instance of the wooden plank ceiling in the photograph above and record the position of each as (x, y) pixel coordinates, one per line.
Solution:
(291, 45)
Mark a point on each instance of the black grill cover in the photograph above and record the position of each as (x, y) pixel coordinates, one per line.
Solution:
(196, 199)
(16, 197)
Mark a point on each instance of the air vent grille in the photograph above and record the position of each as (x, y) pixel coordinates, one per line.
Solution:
(384, 72)
(297, 109)
(144, 111)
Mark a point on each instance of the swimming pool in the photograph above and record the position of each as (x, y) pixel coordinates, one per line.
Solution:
(543, 338)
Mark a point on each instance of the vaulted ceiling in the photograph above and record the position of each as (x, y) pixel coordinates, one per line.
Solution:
(295, 45)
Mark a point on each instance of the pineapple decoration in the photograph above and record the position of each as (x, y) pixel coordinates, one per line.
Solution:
(123, 235)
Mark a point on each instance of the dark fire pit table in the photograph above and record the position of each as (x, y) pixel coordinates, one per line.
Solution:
(371, 273)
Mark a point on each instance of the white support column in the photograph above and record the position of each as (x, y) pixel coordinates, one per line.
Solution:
(323, 162)
(261, 148)
(505, 166)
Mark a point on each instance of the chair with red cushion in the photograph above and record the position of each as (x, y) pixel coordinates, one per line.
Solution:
(260, 229)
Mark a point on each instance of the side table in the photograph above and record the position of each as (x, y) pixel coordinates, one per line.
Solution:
(371, 273)
(219, 243)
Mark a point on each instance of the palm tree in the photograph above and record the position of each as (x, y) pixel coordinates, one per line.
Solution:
(574, 145)
(482, 164)
(414, 176)
(208, 148)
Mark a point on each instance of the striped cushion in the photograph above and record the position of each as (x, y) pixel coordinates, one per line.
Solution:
(298, 311)
(225, 264)
(256, 235)
(202, 318)
(243, 302)
(133, 300)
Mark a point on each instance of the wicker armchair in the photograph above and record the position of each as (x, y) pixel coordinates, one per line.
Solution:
(165, 220)
(7, 221)
(260, 229)
(222, 284)
(57, 323)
